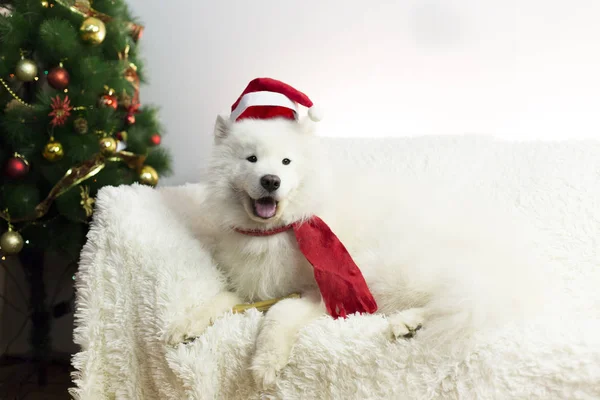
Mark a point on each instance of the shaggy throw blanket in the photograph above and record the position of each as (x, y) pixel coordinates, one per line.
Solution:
(142, 266)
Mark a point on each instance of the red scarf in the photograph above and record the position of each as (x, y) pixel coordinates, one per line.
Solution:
(340, 281)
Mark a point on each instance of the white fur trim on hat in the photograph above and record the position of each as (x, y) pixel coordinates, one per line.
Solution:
(262, 99)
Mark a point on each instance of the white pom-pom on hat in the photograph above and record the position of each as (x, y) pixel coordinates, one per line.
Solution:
(315, 113)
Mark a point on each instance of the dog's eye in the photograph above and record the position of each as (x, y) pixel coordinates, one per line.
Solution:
(286, 161)
(252, 159)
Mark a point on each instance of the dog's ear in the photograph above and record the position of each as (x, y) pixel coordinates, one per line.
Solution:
(222, 126)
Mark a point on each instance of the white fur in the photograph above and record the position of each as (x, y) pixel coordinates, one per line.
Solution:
(144, 267)
(431, 252)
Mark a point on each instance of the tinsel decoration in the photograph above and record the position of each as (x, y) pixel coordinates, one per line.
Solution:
(74, 176)
(87, 202)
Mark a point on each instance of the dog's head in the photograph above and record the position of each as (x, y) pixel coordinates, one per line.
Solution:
(265, 171)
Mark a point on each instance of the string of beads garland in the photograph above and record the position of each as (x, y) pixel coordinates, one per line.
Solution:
(13, 94)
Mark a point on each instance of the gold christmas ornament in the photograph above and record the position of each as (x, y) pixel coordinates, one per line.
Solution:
(45, 4)
(108, 145)
(11, 242)
(92, 31)
(148, 176)
(53, 151)
(26, 70)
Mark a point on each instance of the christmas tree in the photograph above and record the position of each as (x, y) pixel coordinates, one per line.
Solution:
(71, 122)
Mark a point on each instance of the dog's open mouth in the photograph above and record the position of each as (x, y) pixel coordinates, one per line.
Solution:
(265, 207)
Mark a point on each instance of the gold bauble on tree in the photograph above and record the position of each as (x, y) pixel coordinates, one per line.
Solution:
(108, 145)
(53, 151)
(148, 176)
(92, 31)
(26, 70)
(11, 242)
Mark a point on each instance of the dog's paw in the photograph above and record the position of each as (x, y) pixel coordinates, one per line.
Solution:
(273, 349)
(405, 324)
(194, 322)
(187, 329)
(267, 365)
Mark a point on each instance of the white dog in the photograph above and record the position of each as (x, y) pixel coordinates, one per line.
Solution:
(431, 254)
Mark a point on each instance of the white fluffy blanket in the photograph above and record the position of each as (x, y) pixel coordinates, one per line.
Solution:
(142, 265)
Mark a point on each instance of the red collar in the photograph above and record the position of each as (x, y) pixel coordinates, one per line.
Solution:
(267, 232)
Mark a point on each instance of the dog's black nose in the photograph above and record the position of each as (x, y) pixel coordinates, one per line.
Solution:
(270, 182)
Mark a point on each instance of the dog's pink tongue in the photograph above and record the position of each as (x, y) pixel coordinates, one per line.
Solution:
(265, 208)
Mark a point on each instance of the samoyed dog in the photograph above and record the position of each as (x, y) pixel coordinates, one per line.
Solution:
(441, 262)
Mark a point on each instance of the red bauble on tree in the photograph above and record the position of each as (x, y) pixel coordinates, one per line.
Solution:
(155, 139)
(131, 111)
(108, 100)
(16, 167)
(58, 78)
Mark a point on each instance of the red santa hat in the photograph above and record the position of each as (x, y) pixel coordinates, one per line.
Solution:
(266, 98)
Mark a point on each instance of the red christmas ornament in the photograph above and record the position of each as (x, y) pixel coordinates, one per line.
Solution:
(16, 167)
(155, 139)
(131, 111)
(108, 100)
(58, 78)
(61, 110)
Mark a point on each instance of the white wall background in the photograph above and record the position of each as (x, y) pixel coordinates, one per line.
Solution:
(517, 69)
